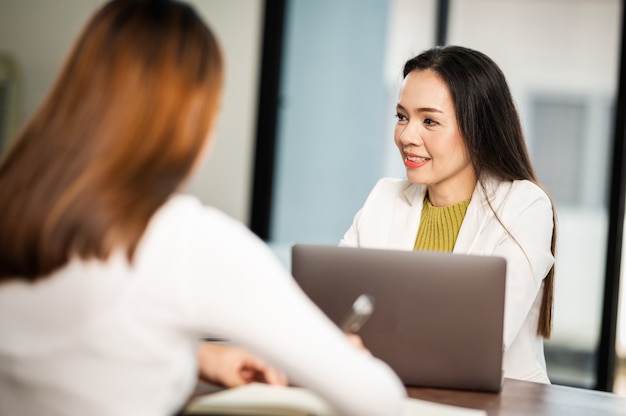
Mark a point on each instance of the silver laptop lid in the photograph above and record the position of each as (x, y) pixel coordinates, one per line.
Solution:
(438, 319)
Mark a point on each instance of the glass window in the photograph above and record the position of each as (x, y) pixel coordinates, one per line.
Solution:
(576, 129)
(341, 69)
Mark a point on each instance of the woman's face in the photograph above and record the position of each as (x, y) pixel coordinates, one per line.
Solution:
(430, 143)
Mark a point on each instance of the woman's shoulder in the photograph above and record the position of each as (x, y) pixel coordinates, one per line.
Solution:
(519, 193)
(184, 218)
(518, 187)
(188, 208)
(529, 190)
(402, 191)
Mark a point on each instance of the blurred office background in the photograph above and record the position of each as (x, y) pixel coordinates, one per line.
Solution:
(307, 119)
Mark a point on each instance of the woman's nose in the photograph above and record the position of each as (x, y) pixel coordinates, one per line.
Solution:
(411, 135)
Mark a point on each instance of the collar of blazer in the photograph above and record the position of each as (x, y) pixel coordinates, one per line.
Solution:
(477, 215)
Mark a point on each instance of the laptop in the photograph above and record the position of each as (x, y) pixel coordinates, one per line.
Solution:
(438, 317)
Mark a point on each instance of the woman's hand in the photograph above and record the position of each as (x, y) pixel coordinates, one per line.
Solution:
(233, 366)
(357, 342)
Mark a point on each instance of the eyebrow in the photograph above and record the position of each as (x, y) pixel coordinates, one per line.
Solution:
(421, 109)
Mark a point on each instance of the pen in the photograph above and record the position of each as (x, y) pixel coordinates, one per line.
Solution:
(361, 310)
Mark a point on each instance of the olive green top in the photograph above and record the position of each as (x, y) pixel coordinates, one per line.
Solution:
(439, 226)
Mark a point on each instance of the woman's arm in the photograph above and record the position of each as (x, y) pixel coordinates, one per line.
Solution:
(527, 214)
(238, 290)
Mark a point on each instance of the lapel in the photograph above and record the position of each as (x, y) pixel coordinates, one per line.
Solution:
(477, 215)
(406, 217)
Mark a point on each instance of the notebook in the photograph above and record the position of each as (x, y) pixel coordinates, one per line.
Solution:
(438, 317)
(267, 400)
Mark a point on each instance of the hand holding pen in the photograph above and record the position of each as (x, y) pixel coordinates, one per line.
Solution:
(356, 317)
(361, 310)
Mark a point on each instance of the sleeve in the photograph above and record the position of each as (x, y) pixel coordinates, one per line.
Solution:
(529, 220)
(238, 289)
(351, 237)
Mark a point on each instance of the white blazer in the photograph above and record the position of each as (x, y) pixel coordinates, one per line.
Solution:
(390, 219)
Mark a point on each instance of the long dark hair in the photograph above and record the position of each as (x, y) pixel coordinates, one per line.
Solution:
(117, 135)
(490, 126)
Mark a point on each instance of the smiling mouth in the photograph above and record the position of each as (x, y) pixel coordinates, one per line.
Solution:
(417, 159)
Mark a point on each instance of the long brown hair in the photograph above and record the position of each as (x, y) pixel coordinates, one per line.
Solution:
(491, 129)
(118, 133)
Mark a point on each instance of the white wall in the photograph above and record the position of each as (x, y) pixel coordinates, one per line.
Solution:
(225, 181)
(39, 34)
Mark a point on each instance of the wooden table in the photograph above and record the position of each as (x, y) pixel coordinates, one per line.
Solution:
(517, 398)
(524, 398)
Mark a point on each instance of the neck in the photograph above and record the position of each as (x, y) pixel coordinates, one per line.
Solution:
(444, 196)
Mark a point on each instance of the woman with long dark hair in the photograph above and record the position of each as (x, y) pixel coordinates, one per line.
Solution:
(470, 188)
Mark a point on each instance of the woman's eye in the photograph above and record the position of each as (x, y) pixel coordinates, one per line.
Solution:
(429, 122)
(400, 117)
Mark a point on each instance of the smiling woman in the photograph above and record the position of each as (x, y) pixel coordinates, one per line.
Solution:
(470, 189)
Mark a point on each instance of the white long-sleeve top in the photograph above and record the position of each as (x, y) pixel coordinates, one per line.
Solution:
(390, 219)
(106, 338)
